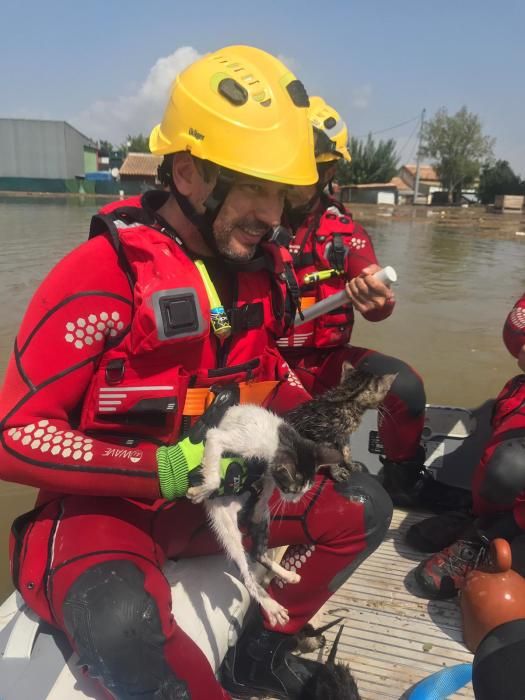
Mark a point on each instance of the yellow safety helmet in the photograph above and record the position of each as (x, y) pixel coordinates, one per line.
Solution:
(330, 132)
(241, 109)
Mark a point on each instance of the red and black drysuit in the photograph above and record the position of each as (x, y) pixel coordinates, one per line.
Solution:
(113, 342)
(330, 239)
(499, 479)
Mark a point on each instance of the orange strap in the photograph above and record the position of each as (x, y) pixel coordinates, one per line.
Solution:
(198, 400)
(306, 302)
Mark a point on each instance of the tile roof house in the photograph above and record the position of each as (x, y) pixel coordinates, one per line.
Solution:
(426, 173)
(140, 168)
(428, 180)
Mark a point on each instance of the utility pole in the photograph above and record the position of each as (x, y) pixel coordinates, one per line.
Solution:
(416, 185)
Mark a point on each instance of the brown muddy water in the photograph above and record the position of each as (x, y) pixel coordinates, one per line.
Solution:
(459, 273)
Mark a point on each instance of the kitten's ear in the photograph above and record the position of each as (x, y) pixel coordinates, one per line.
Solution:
(388, 380)
(346, 370)
(326, 456)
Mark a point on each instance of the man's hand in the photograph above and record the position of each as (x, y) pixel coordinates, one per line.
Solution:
(521, 358)
(367, 293)
(239, 475)
(236, 476)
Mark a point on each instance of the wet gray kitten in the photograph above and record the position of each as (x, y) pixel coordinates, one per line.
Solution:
(290, 463)
(292, 452)
(332, 417)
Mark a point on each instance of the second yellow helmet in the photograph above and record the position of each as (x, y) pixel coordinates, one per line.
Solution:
(330, 132)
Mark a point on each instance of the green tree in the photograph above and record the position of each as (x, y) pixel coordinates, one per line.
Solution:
(458, 147)
(137, 144)
(499, 178)
(105, 147)
(370, 162)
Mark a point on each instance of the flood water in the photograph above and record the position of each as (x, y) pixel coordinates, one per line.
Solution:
(458, 275)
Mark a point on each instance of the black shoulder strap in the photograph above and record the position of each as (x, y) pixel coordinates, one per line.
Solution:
(104, 224)
(337, 252)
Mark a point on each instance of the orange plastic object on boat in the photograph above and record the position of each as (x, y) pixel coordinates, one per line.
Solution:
(491, 596)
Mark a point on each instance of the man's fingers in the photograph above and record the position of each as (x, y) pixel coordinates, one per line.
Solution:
(364, 298)
(358, 288)
(376, 286)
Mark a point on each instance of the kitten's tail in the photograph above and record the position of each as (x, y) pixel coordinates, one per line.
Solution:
(315, 632)
(330, 661)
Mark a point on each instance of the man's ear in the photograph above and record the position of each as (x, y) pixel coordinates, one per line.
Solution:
(326, 456)
(185, 173)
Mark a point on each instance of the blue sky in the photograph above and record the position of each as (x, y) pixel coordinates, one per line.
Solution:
(106, 66)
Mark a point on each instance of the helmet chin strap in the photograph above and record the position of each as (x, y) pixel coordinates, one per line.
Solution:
(296, 215)
(204, 221)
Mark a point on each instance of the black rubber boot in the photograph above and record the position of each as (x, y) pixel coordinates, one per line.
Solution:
(261, 664)
(411, 485)
(440, 497)
(435, 533)
(403, 481)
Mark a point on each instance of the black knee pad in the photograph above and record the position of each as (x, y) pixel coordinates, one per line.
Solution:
(407, 385)
(116, 628)
(378, 510)
(505, 473)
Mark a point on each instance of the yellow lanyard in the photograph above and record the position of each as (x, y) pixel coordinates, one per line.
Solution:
(219, 318)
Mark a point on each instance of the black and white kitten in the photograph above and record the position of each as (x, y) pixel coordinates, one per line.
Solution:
(332, 417)
(291, 461)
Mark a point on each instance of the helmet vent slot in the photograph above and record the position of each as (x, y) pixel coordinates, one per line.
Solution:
(233, 91)
(298, 93)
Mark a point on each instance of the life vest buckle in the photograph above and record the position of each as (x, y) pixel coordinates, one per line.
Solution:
(115, 371)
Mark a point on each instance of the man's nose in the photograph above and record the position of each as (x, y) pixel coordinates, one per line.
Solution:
(270, 209)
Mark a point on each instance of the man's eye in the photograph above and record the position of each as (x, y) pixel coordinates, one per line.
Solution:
(251, 187)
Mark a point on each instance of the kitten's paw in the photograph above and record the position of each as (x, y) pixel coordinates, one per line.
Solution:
(340, 472)
(277, 614)
(347, 454)
(306, 645)
(289, 576)
(197, 494)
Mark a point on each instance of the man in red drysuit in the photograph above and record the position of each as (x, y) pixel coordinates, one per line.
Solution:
(114, 365)
(498, 486)
(334, 251)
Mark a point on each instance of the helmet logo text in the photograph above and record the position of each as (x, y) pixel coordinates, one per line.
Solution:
(196, 134)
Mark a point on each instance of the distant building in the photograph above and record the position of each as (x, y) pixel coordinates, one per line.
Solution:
(429, 181)
(400, 190)
(370, 193)
(40, 155)
(139, 172)
(405, 194)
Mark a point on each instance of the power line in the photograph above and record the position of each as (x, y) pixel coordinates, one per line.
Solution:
(382, 131)
(408, 142)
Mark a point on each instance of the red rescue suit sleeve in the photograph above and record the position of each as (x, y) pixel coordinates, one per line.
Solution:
(84, 304)
(362, 255)
(514, 328)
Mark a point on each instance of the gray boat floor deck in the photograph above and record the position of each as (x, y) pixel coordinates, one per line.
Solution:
(392, 639)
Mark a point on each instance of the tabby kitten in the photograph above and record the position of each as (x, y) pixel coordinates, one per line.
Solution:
(332, 417)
